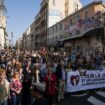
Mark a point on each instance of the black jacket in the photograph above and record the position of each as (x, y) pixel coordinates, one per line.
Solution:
(58, 72)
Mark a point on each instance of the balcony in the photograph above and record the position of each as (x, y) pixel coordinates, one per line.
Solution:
(43, 4)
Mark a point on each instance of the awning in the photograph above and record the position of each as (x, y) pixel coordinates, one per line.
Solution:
(78, 36)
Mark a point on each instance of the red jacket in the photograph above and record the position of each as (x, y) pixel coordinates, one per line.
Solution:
(50, 85)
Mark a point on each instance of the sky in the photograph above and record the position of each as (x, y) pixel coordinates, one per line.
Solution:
(21, 13)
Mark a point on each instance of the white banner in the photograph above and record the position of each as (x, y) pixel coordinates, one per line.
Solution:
(91, 79)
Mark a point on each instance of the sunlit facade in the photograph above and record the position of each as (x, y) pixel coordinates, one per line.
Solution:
(81, 30)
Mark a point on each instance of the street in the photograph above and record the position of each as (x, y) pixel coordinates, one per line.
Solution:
(52, 52)
(91, 98)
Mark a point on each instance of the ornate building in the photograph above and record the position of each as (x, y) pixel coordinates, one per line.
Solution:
(51, 12)
(3, 33)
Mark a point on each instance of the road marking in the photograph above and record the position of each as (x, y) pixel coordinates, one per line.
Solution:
(101, 94)
(79, 95)
(95, 101)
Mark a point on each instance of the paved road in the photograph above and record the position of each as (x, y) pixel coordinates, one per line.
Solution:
(91, 98)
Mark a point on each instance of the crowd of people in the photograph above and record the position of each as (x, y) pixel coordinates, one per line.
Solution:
(39, 78)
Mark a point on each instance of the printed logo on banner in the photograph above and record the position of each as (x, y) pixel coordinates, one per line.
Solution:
(74, 80)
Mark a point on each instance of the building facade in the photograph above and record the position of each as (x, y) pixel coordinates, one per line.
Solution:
(37, 30)
(18, 43)
(26, 40)
(51, 13)
(57, 12)
(32, 34)
(55, 33)
(3, 23)
(72, 6)
(3, 32)
(82, 30)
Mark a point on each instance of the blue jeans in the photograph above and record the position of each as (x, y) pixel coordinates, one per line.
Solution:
(3, 103)
(14, 100)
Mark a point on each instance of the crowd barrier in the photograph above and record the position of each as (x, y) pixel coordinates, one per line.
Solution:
(86, 79)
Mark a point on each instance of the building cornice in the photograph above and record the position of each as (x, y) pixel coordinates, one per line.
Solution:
(87, 6)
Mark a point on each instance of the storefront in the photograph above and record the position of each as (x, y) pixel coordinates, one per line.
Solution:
(92, 40)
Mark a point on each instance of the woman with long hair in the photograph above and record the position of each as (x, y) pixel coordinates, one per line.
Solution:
(16, 88)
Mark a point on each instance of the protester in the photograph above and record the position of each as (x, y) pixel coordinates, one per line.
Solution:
(9, 72)
(51, 87)
(32, 67)
(27, 83)
(60, 74)
(16, 88)
(4, 88)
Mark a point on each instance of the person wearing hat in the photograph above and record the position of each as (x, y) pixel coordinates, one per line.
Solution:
(38, 91)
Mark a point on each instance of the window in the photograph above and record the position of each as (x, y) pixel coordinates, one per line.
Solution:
(65, 5)
(53, 2)
(49, 32)
(52, 40)
(56, 38)
(78, 17)
(71, 22)
(56, 28)
(60, 26)
(86, 14)
(53, 30)
(76, 8)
